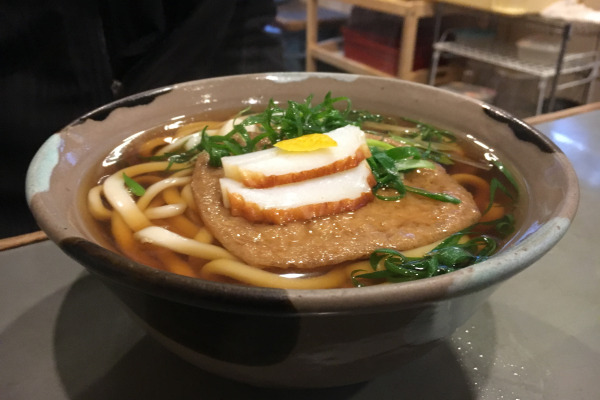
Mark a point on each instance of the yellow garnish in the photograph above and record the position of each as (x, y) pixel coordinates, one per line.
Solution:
(310, 142)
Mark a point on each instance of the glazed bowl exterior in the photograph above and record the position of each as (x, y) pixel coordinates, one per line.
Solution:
(297, 338)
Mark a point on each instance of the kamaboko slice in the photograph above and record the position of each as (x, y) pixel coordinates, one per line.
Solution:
(340, 192)
(274, 166)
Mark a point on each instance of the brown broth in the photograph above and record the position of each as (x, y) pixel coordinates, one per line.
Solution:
(158, 257)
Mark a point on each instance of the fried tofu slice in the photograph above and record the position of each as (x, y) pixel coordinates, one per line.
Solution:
(402, 225)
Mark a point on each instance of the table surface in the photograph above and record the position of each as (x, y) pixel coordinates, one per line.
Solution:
(63, 335)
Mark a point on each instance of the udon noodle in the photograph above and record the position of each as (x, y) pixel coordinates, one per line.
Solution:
(160, 226)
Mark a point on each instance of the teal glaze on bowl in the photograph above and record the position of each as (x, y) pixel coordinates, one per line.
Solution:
(298, 338)
(42, 166)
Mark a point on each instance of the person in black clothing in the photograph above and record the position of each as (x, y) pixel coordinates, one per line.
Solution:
(60, 59)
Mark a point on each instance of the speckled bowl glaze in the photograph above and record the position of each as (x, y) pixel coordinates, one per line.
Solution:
(298, 338)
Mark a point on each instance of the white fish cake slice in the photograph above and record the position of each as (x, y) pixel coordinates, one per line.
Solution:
(331, 194)
(272, 167)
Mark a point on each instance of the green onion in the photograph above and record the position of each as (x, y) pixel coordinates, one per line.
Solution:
(507, 175)
(430, 133)
(389, 166)
(435, 196)
(133, 186)
(451, 254)
(423, 146)
(364, 116)
(275, 123)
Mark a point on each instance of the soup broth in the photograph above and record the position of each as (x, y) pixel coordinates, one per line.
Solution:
(148, 210)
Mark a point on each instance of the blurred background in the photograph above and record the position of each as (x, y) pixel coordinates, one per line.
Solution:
(60, 59)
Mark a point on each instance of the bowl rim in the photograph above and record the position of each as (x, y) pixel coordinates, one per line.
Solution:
(467, 280)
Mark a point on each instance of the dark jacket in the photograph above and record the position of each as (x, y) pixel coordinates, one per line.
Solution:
(62, 58)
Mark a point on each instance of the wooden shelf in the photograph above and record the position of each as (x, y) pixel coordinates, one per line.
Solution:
(330, 51)
(395, 7)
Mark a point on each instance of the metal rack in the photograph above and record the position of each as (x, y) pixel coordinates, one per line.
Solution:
(504, 55)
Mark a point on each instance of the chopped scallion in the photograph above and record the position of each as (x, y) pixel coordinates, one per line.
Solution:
(133, 186)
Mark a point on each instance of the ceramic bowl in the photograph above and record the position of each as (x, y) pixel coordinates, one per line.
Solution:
(298, 338)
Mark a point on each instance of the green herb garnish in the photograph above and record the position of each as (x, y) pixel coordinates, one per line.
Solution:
(275, 124)
(133, 186)
(423, 146)
(430, 133)
(361, 116)
(451, 254)
(389, 164)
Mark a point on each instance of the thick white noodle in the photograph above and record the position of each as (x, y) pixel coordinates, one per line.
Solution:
(194, 139)
(176, 144)
(229, 124)
(186, 142)
(166, 211)
(188, 196)
(204, 235)
(158, 187)
(96, 206)
(119, 198)
(248, 274)
(164, 238)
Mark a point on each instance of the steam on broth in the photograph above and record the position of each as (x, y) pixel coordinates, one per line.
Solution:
(156, 206)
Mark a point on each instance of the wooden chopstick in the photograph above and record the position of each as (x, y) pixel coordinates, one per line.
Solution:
(22, 240)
